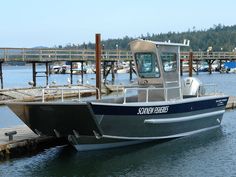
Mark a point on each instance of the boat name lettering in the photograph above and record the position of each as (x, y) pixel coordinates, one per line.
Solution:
(153, 110)
(221, 100)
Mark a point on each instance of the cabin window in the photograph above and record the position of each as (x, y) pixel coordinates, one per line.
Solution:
(169, 61)
(147, 66)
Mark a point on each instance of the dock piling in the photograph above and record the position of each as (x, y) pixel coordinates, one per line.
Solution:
(82, 72)
(71, 72)
(190, 63)
(47, 72)
(98, 64)
(1, 75)
(34, 73)
(130, 71)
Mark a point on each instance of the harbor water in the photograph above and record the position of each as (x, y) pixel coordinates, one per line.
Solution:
(210, 154)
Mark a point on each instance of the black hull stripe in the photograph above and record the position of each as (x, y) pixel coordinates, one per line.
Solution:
(172, 109)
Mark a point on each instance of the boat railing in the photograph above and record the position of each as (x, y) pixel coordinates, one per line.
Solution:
(63, 91)
(204, 90)
(207, 89)
(147, 92)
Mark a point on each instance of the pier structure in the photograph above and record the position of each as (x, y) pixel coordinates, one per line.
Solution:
(109, 58)
(193, 57)
(49, 56)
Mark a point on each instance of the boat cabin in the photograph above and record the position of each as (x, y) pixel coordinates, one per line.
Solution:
(157, 66)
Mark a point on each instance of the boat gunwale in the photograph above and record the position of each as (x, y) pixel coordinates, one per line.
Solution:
(150, 103)
(170, 102)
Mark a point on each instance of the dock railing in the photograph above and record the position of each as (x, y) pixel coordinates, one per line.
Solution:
(62, 92)
(47, 55)
(56, 54)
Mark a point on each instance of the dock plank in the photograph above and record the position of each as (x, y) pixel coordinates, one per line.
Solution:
(23, 132)
(25, 142)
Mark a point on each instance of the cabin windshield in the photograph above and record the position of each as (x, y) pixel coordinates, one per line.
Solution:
(169, 61)
(147, 65)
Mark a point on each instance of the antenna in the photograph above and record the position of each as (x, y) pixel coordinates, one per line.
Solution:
(188, 42)
(185, 41)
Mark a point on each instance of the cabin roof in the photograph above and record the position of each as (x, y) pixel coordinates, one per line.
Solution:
(167, 43)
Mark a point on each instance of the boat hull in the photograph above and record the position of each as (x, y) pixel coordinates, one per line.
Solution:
(155, 121)
(57, 119)
(87, 143)
(115, 125)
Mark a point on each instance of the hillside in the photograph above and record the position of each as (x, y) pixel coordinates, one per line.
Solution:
(220, 37)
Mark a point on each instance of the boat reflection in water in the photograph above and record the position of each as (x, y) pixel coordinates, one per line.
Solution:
(160, 106)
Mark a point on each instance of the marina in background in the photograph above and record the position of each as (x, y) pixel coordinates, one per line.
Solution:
(79, 61)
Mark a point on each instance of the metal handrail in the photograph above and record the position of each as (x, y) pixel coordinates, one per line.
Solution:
(206, 85)
(69, 89)
(147, 92)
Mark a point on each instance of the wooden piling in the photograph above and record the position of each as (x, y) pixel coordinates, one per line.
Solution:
(104, 69)
(197, 71)
(210, 62)
(220, 66)
(71, 72)
(34, 73)
(1, 75)
(82, 72)
(98, 64)
(113, 71)
(47, 72)
(190, 64)
(130, 70)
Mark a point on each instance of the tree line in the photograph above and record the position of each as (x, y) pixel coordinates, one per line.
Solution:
(219, 37)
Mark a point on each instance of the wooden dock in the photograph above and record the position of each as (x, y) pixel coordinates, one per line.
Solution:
(25, 142)
(231, 103)
(35, 93)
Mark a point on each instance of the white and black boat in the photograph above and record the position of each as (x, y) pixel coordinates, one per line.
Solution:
(161, 106)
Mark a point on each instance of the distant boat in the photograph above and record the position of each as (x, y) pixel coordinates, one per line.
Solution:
(66, 69)
(55, 69)
(230, 67)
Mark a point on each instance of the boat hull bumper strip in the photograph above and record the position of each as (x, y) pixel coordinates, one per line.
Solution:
(88, 147)
(182, 119)
(163, 137)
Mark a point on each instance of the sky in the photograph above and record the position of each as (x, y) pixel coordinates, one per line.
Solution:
(31, 23)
